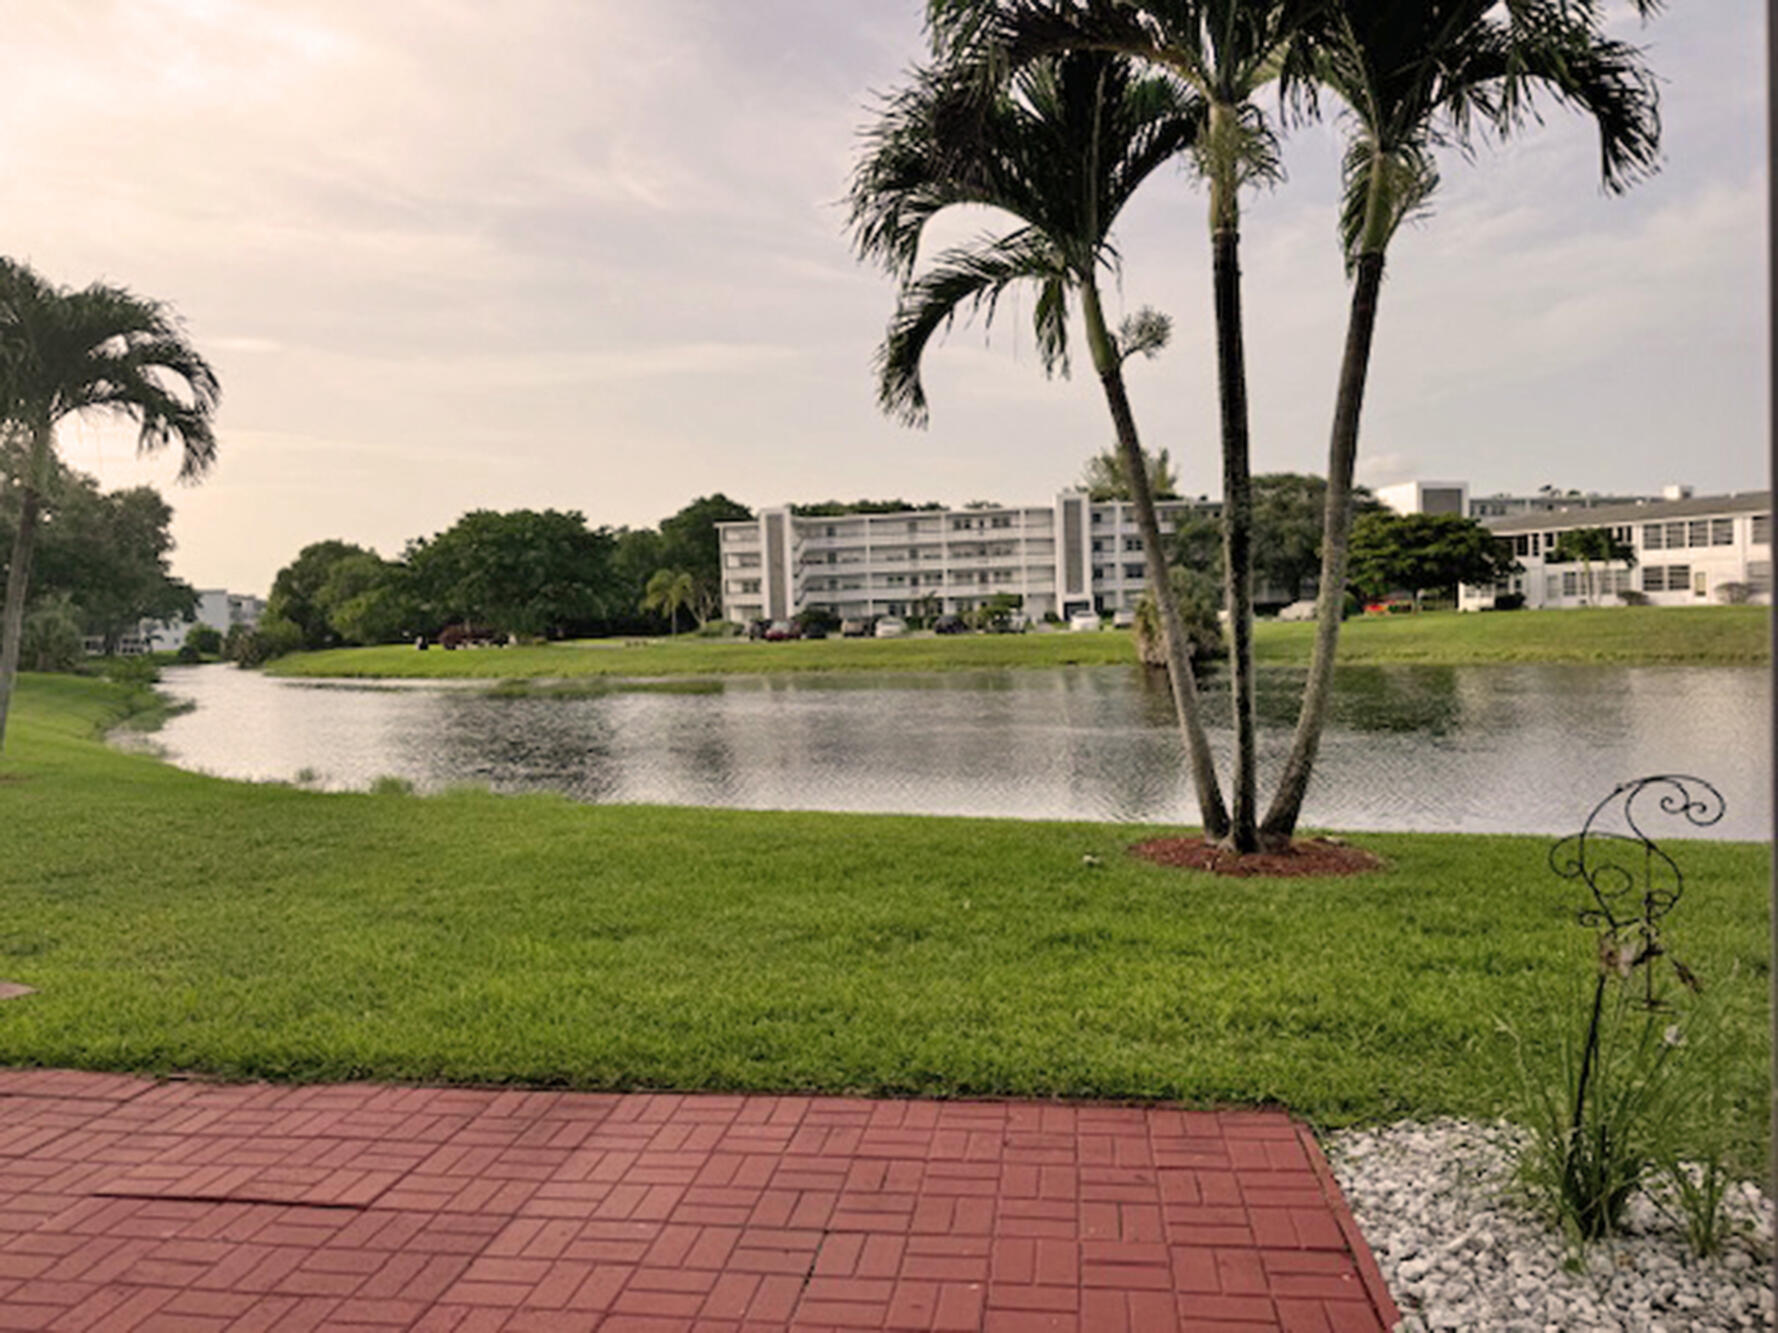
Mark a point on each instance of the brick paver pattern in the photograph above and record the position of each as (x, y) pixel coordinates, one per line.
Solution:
(131, 1204)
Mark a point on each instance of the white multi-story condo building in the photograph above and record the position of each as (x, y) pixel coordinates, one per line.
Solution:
(1688, 552)
(217, 608)
(1058, 558)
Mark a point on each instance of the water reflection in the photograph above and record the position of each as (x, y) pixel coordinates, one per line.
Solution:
(1495, 749)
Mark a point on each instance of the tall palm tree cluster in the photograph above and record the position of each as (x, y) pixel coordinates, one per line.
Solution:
(1055, 112)
(64, 353)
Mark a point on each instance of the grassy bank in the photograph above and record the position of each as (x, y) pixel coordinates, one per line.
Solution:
(1720, 636)
(172, 921)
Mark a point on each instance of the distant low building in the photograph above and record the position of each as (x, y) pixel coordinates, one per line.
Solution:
(1689, 551)
(217, 608)
(1426, 497)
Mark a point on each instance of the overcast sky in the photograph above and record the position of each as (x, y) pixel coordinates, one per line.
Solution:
(589, 254)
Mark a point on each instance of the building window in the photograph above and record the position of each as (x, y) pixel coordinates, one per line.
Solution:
(1098, 546)
(1552, 587)
(1651, 536)
(913, 525)
(1675, 536)
(1134, 571)
(1132, 543)
(1570, 583)
(1722, 532)
(1654, 578)
(1679, 578)
(1003, 521)
(1762, 530)
(1698, 532)
(1759, 575)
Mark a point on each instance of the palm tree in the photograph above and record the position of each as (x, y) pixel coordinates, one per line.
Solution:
(669, 590)
(1103, 476)
(1413, 74)
(1225, 52)
(100, 349)
(1061, 149)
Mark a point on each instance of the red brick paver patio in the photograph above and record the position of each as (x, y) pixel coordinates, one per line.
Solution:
(130, 1204)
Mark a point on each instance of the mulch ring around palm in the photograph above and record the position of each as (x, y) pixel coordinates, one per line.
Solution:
(1305, 857)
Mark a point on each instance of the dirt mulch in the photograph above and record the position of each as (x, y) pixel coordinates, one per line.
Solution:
(1306, 857)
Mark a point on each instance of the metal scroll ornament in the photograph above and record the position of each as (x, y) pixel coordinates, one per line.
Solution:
(1633, 882)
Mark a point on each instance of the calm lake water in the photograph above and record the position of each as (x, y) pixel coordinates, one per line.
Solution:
(1472, 749)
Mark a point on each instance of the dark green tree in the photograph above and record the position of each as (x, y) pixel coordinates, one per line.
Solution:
(366, 599)
(839, 508)
(1410, 75)
(1419, 553)
(1060, 151)
(690, 542)
(104, 554)
(65, 353)
(297, 590)
(1288, 508)
(528, 572)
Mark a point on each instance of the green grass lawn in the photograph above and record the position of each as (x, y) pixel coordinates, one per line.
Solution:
(1727, 635)
(173, 921)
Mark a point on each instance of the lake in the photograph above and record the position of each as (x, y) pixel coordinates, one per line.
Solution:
(1455, 749)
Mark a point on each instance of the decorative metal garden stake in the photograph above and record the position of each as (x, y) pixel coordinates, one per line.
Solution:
(1630, 899)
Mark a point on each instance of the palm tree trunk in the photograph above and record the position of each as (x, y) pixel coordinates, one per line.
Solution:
(1237, 524)
(1336, 545)
(18, 574)
(1179, 667)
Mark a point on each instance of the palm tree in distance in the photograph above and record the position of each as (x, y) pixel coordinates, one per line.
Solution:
(100, 349)
(668, 592)
(1225, 52)
(1412, 75)
(1062, 148)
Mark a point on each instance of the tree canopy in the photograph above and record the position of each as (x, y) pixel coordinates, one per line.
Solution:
(1418, 553)
(102, 555)
(528, 572)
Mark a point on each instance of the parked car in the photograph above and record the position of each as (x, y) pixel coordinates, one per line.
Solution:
(890, 627)
(949, 625)
(856, 627)
(780, 630)
(815, 629)
(1083, 620)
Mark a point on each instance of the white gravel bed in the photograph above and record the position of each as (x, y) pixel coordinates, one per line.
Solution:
(1460, 1250)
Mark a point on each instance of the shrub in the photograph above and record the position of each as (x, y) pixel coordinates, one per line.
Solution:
(718, 629)
(1198, 602)
(1734, 594)
(52, 640)
(272, 637)
(1631, 597)
(1509, 601)
(203, 640)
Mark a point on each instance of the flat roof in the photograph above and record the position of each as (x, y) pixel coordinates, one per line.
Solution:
(1605, 516)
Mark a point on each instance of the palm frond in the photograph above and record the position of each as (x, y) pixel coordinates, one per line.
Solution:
(1146, 332)
(1399, 184)
(964, 278)
(104, 348)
